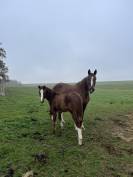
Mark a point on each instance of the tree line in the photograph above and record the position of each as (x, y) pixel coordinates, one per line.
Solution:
(3, 71)
(3, 67)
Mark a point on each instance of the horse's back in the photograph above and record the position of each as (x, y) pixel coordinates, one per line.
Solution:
(63, 88)
(68, 88)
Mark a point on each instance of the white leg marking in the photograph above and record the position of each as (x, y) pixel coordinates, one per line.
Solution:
(41, 92)
(83, 126)
(62, 121)
(62, 118)
(61, 124)
(52, 117)
(75, 127)
(79, 136)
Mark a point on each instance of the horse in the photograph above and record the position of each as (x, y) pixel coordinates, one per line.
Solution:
(83, 88)
(64, 102)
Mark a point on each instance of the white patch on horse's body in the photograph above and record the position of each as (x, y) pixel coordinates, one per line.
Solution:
(41, 92)
(79, 136)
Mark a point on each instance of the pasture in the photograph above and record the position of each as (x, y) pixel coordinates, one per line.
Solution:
(25, 130)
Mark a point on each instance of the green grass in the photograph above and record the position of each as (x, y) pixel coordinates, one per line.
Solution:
(25, 129)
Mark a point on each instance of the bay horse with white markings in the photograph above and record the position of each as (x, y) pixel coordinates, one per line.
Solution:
(71, 102)
(83, 88)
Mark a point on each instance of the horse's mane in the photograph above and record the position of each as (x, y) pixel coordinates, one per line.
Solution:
(82, 83)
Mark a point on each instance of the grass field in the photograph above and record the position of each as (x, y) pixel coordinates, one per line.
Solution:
(25, 130)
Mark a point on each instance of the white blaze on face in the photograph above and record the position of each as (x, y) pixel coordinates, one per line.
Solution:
(41, 93)
(91, 81)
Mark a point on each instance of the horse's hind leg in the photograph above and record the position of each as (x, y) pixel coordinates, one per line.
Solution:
(78, 127)
(54, 121)
(80, 138)
(83, 126)
(61, 119)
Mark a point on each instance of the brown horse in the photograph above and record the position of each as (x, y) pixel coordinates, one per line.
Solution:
(84, 87)
(71, 102)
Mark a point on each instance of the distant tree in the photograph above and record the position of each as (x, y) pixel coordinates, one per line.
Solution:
(3, 71)
(2, 53)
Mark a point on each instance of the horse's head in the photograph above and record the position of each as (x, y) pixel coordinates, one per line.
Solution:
(42, 92)
(92, 80)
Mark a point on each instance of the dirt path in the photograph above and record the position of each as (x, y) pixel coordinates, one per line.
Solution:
(123, 128)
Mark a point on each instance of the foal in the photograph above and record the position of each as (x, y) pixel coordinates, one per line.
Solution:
(71, 102)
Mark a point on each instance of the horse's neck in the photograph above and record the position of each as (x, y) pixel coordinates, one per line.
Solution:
(50, 95)
(82, 85)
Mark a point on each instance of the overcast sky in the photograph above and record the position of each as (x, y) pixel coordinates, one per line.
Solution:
(59, 40)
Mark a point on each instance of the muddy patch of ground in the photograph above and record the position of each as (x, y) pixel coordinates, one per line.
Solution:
(123, 128)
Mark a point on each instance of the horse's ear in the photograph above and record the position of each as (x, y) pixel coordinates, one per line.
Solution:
(89, 71)
(39, 86)
(95, 72)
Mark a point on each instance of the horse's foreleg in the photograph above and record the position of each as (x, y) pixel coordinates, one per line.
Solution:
(62, 120)
(84, 106)
(53, 121)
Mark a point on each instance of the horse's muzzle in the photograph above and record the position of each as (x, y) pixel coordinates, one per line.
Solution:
(92, 90)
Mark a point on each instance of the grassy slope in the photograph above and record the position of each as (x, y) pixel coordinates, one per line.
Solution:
(25, 129)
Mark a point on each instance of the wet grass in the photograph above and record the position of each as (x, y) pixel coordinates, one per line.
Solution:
(25, 130)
